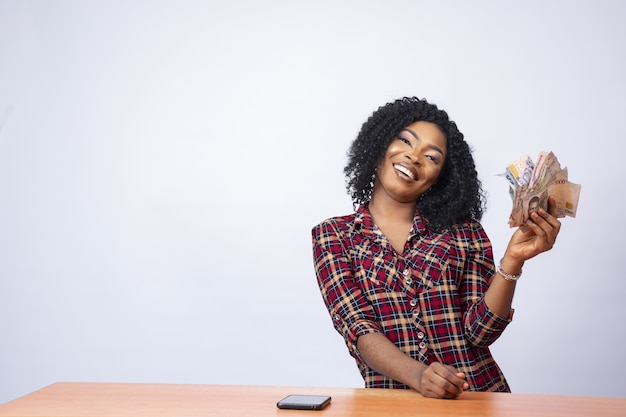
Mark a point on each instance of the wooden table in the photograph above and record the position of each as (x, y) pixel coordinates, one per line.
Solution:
(158, 400)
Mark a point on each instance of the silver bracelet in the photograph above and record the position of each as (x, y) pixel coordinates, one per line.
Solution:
(509, 277)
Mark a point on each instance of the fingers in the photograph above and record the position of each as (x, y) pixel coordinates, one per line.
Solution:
(538, 234)
(442, 381)
(461, 375)
(546, 228)
(547, 222)
(552, 205)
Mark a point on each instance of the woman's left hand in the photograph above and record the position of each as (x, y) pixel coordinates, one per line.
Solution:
(537, 235)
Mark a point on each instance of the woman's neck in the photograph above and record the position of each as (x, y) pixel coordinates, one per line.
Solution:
(388, 210)
(394, 219)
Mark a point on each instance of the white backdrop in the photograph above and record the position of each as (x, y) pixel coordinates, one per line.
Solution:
(162, 164)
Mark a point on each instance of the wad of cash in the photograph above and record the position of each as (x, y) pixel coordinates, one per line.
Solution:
(531, 183)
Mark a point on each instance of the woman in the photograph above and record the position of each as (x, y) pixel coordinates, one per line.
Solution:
(409, 278)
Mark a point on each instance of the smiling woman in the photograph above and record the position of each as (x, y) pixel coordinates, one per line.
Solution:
(409, 169)
(409, 279)
(416, 157)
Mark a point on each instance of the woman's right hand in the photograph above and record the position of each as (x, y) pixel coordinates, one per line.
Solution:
(442, 381)
(435, 380)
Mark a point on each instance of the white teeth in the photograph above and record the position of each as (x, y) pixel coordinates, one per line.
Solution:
(405, 171)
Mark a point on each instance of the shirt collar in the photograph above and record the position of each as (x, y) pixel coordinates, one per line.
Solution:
(363, 223)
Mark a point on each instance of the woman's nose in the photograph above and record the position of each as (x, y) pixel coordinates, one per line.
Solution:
(413, 157)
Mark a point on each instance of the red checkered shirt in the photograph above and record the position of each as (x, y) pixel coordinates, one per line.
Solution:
(429, 301)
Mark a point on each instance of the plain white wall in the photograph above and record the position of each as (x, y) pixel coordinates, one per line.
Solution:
(162, 164)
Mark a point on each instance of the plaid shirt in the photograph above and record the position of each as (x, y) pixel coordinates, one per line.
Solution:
(429, 302)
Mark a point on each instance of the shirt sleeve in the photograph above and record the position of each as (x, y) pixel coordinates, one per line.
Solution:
(351, 313)
(482, 327)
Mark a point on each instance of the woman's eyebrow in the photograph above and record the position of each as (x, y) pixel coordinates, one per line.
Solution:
(436, 148)
(412, 133)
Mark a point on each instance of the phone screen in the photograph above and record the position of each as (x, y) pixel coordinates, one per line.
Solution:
(304, 402)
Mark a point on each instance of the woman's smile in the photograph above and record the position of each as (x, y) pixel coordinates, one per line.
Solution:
(406, 170)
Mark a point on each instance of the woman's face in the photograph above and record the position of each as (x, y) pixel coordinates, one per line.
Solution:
(412, 163)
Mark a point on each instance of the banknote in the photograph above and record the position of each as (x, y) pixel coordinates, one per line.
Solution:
(531, 183)
(519, 172)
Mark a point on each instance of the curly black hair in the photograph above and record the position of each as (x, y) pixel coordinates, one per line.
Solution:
(455, 198)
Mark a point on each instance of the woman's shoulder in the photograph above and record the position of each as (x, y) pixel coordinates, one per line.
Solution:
(469, 232)
(345, 225)
(469, 225)
(337, 222)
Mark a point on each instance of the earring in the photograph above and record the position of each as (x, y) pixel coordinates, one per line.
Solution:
(425, 193)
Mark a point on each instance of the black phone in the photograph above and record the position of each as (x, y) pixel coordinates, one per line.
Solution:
(304, 402)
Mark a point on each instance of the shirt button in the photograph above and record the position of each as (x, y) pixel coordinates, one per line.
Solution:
(409, 281)
(422, 345)
(416, 314)
(413, 302)
(336, 317)
(405, 272)
(420, 335)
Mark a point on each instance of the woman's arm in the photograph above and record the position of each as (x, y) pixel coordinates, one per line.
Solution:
(536, 236)
(349, 309)
(435, 380)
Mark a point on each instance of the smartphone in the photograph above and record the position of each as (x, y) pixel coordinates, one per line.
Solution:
(304, 402)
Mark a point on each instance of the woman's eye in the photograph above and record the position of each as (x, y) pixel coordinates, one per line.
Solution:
(433, 158)
(405, 140)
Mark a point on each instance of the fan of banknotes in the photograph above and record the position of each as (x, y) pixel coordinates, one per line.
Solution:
(532, 183)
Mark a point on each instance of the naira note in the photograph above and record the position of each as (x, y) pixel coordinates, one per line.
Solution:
(519, 172)
(532, 183)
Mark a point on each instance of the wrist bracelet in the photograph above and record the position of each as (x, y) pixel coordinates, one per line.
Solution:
(509, 277)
